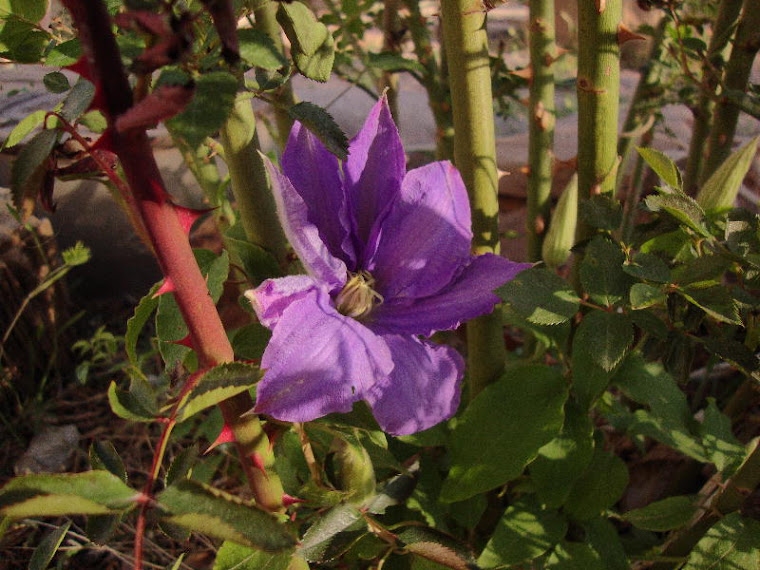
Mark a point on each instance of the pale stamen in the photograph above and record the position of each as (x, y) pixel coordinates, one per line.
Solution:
(357, 297)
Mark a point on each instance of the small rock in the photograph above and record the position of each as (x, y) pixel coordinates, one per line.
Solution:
(50, 451)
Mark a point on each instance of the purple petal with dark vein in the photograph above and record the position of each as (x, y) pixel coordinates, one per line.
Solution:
(469, 295)
(315, 174)
(318, 362)
(374, 169)
(426, 236)
(302, 234)
(423, 388)
(273, 296)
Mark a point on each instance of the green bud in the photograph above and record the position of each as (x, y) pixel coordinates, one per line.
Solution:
(561, 235)
(721, 189)
(355, 472)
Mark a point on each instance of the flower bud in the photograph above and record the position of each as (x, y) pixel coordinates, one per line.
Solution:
(355, 472)
(561, 235)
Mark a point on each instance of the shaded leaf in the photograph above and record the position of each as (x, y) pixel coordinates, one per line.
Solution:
(216, 385)
(182, 464)
(250, 341)
(47, 547)
(492, 444)
(605, 337)
(667, 514)
(31, 10)
(394, 62)
(26, 167)
(125, 405)
(321, 123)
(649, 267)
(136, 322)
(332, 533)
(437, 547)
(731, 543)
(574, 556)
(56, 82)
(601, 271)
(663, 166)
(232, 556)
(722, 447)
(220, 515)
(540, 296)
(716, 301)
(643, 296)
(78, 100)
(599, 487)
(603, 537)
(64, 54)
(602, 211)
(103, 456)
(258, 50)
(681, 207)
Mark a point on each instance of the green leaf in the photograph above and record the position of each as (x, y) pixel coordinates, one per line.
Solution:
(47, 548)
(716, 301)
(731, 543)
(436, 546)
(574, 556)
(602, 211)
(136, 322)
(182, 465)
(722, 447)
(317, 66)
(30, 10)
(701, 271)
(648, 267)
(64, 54)
(232, 556)
(78, 254)
(492, 444)
(540, 296)
(667, 514)
(212, 103)
(216, 385)
(258, 50)
(21, 41)
(78, 100)
(103, 456)
(213, 512)
(250, 341)
(644, 296)
(603, 537)
(601, 271)
(663, 166)
(681, 207)
(605, 337)
(394, 62)
(28, 163)
(321, 123)
(561, 461)
(43, 495)
(125, 405)
(599, 487)
(523, 533)
(722, 187)
(332, 533)
(56, 82)
(23, 128)
(306, 34)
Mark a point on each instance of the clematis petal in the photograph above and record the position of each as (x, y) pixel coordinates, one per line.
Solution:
(423, 388)
(469, 295)
(318, 361)
(315, 174)
(374, 169)
(273, 296)
(427, 235)
(301, 232)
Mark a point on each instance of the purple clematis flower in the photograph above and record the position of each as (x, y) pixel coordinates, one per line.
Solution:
(389, 262)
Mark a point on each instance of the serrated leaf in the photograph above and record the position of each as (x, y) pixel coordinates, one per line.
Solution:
(663, 166)
(250, 341)
(125, 405)
(232, 556)
(561, 461)
(332, 533)
(78, 254)
(23, 128)
(28, 163)
(492, 444)
(47, 548)
(78, 100)
(574, 556)
(88, 493)
(30, 10)
(258, 50)
(601, 272)
(523, 533)
(64, 54)
(21, 40)
(667, 514)
(317, 66)
(103, 456)
(216, 385)
(681, 207)
(212, 103)
(394, 62)
(722, 187)
(599, 487)
(701, 271)
(321, 124)
(182, 464)
(56, 82)
(540, 296)
(602, 211)
(716, 301)
(644, 295)
(649, 267)
(605, 336)
(300, 25)
(136, 322)
(730, 544)
(437, 547)
(722, 447)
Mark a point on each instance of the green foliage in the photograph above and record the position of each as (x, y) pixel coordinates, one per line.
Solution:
(721, 189)
(540, 296)
(730, 543)
(216, 385)
(321, 123)
(43, 554)
(662, 166)
(311, 41)
(668, 514)
(232, 556)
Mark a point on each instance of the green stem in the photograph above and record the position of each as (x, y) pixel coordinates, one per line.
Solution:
(728, 13)
(265, 15)
(466, 45)
(169, 240)
(541, 117)
(249, 179)
(738, 69)
(598, 99)
(389, 80)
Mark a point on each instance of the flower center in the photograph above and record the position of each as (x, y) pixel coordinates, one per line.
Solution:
(357, 297)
